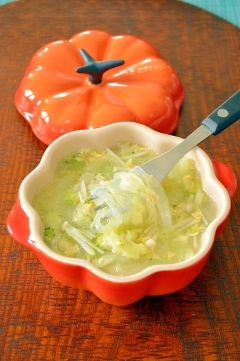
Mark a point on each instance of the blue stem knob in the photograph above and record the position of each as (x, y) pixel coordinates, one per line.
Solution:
(95, 68)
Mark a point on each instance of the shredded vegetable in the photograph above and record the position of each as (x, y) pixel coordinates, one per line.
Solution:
(102, 207)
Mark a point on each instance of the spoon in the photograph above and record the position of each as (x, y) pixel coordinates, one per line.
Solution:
(220, 119)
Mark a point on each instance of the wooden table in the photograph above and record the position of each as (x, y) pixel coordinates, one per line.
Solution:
(42, 320)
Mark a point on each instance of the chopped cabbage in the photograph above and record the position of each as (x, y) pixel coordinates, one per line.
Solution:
(101, 206)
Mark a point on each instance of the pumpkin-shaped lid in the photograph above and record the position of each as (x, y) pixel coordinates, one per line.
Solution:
(94, 79)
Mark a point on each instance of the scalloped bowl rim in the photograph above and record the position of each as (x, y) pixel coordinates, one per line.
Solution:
(99, 138)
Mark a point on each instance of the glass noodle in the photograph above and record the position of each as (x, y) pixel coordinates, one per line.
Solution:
(100, 208)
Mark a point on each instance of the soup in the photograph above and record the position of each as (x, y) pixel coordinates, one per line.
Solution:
(101, 207)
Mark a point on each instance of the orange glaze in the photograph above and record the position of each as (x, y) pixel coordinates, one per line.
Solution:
(55, 99)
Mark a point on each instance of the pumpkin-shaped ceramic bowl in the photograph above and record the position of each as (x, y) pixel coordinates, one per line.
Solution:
(25, 226)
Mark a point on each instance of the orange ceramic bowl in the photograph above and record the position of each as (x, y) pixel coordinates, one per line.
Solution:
(25, 226)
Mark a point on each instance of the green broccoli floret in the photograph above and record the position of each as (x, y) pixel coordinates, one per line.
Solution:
(71, 197)
(73, 163)
(49, 234)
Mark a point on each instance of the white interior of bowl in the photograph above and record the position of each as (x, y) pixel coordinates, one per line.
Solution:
(102, 138)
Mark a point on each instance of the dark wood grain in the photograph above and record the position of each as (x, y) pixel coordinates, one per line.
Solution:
(42, 320)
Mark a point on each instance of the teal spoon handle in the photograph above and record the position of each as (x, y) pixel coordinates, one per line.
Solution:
(225, 115)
